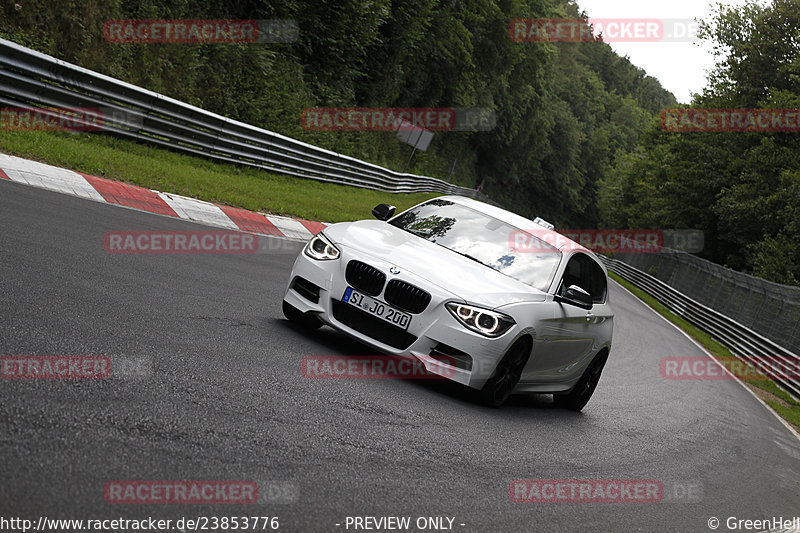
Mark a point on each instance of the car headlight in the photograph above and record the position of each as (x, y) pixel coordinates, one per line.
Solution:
(321, 249)
(480, 320)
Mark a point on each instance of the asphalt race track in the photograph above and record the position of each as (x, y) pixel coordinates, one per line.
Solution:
(210, 388)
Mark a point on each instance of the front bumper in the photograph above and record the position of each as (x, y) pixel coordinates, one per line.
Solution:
(433, 336)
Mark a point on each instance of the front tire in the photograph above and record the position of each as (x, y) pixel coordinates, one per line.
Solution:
(506, 376)
(583, 390)
(295, 315)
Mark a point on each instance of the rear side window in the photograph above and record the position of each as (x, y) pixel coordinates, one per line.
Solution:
(584, 272)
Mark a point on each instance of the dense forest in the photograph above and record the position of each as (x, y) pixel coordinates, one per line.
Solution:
(742, 189)
(565, 111)
(577, 139)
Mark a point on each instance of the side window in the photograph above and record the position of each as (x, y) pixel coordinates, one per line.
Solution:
(574, 275)
(598, 287)
(586, 274)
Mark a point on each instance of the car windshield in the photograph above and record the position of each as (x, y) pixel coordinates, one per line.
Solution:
(482, 238)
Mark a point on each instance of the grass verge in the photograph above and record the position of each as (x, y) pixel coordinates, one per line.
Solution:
(783, 403)
(227, 184)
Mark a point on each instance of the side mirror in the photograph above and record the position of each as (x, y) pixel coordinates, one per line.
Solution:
(384, 211)
(576, 296)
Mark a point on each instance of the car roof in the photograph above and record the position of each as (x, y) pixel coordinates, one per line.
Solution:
(518, 221)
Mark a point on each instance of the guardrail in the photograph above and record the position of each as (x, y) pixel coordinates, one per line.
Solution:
(742, 341)
(30, 78)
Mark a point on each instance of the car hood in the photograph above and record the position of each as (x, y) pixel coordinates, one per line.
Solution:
(462, 277)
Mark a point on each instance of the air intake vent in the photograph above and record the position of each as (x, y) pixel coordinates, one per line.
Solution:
(406, 296)
(365, 278)
(306, 289)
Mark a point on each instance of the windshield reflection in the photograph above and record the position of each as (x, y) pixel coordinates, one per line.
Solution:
(481, 238)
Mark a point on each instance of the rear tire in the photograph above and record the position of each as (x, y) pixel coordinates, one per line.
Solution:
(300, 318)
(506, 376)
(583, 390)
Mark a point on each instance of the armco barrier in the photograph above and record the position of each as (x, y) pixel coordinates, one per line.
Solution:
(31, 79)
(742, 341)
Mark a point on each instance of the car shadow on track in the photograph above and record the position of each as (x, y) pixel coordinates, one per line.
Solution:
(337, 343)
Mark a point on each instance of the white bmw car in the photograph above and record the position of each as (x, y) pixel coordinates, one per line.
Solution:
(480, 295)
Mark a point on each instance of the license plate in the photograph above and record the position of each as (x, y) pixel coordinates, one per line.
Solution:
(376, 308)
